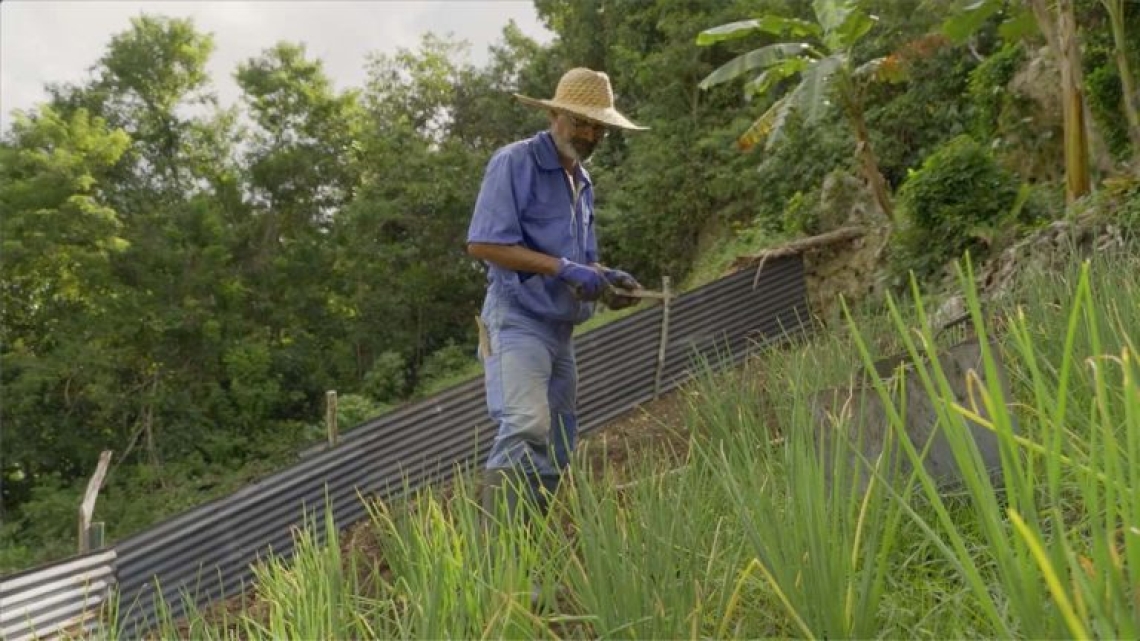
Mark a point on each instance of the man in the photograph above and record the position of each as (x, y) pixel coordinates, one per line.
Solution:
(534, 227)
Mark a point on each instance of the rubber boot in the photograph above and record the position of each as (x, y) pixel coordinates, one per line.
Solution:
(500, 496)
(504, 493)
(546, 491)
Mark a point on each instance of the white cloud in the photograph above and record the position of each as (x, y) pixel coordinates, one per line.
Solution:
(51, 41)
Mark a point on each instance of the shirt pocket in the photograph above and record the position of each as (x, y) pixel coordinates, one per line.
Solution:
(547, 225)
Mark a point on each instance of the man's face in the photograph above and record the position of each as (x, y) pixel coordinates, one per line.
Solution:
(576, 137)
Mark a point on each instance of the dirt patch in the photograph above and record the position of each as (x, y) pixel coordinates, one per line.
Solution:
(658, 427)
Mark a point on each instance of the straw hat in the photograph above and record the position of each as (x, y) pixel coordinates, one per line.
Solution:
(586, 93)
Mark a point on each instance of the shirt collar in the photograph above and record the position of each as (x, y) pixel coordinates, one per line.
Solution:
(546, 153)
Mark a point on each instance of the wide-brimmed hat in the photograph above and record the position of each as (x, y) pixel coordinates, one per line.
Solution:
(586, 93)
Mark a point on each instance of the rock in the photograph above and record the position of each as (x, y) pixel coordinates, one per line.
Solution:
(847, 200)
(1047, 249)
(950, 310)
(855, 416)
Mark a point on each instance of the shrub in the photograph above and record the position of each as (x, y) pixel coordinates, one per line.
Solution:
(907, 121)
(354, 409)
(801, 213)
(989, 92)
(387, 380)
(959, 190)
(444, 366)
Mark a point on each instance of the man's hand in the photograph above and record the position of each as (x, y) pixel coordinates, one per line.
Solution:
(618, 278)
(587, 282)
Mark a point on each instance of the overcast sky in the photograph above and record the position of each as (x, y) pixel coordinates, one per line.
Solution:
(49, 41)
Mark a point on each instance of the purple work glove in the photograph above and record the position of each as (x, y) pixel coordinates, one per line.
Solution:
(586, 282)
(618, 278)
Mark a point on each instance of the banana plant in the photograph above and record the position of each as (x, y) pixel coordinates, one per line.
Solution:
(1115, 9)
(822, 59)
(1056, 21)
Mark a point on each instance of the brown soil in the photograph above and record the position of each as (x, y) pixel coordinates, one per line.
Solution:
(655, 428)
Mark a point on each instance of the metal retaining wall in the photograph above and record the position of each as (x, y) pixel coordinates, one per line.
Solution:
(62, 598)
(205, 555)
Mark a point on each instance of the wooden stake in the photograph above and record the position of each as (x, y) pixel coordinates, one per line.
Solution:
(665, 298)
(95, 534)
(330, 417)
(87, 507)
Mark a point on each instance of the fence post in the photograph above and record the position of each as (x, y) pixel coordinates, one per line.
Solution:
(95, 535)
(664, 336)
(330, 417)
(87, 507)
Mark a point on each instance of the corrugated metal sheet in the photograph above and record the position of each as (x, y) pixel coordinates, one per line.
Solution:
(720, 322)
(62, 598)
(205, 554)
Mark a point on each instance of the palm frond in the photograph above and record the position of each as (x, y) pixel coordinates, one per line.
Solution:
(831, 14)
(755, 59)
(768, 123)
(811, 94)
(775, 25)
(765, 81)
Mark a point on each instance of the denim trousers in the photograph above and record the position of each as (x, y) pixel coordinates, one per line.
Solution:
(531, 383)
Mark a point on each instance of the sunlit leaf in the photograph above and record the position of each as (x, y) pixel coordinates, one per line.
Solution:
(831, 14)
(965, 23)
(781, 26)
(775, 25)
(755, 59)
(728, 31)
(811, 94)
(854, 27)
(763, 83)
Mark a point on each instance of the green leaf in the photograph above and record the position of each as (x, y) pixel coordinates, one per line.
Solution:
(966, 22)
(812, 92)
(1018, 26)
(729, 31)
(764, 82)
(854, 27)
(781, 26)
(775, 25)
(831, 14)
(755, 59)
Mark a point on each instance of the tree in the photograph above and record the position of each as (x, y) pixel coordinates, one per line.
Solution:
(59, 239)
(1058, 26)
(178, 196)
(301, 171)
(400, 244)
(824, 63)
(1115, 9)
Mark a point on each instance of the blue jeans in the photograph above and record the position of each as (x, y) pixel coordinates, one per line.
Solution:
(531, 384)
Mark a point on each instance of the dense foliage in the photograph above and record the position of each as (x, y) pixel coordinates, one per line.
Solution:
(959, 190)
(182, 282)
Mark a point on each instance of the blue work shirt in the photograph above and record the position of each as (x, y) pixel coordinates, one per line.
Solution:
(527, 199)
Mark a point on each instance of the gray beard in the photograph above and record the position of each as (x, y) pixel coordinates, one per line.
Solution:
(572, 151)
(583, 149)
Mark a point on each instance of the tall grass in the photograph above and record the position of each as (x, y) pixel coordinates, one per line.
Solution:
(762, 533)
(652, 559)
(1059, 532)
